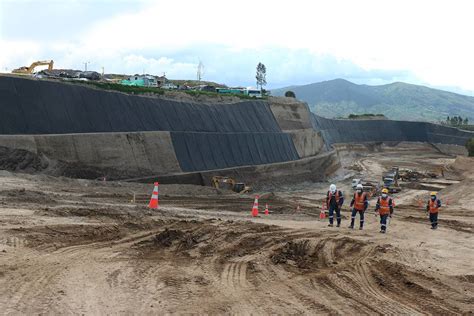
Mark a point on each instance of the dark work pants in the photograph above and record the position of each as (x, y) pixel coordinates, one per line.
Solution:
(331, 214)
(434, 219)
(383, 222)
(353, 216)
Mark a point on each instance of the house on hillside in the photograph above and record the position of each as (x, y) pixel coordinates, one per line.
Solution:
(169, 86)
(140, 81)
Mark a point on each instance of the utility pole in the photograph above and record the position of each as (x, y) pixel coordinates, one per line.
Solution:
(200, 71)
(85, 65)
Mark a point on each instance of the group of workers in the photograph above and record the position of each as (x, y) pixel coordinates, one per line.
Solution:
(384, 207)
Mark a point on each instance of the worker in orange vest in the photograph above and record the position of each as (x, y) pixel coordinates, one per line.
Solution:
(334, 201)
(359, 205)
(433, 207)
(384, 207)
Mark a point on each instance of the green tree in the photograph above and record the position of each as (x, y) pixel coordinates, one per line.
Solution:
(466, 121)
(261, 75)
(290, 94)
(470, 147)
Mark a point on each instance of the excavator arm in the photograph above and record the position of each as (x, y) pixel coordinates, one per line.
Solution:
(30, 70)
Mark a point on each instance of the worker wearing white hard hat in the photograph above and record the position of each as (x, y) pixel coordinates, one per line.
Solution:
(359, 205)
(334, 201)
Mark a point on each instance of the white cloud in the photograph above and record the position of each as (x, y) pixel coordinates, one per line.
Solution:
(429, 39)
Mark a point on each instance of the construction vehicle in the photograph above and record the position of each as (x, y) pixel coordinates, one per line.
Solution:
(29, 70)
(396, 171)
(221, 182)
(390, 180)
(408, 175)
(367, 186)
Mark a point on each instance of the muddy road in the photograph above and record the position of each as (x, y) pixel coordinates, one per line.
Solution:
(82, 247)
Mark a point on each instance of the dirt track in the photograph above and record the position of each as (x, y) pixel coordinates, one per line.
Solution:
(74, 246)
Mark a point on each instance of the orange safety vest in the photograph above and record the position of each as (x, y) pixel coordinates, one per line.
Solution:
(338, 197)
(359, 203)
(433, 206)
(384, 207)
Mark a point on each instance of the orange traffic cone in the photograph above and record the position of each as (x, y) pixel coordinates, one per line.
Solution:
(255, 207)
(322, 215)
(154, 197)
(266, 209)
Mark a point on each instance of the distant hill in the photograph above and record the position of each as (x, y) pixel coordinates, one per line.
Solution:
(402, 101)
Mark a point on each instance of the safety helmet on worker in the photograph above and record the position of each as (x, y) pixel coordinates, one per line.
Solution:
(384, 190)
(433, 193)
(332, 188)
(433, 196)
(384, 193)
(359, 187)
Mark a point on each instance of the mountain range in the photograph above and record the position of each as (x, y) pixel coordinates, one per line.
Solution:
(398, 100)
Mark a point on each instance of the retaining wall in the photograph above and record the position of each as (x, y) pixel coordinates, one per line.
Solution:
(358, 131)
(76, 123)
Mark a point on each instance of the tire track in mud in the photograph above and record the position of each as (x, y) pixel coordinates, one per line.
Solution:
(237, 269)
(41, 278)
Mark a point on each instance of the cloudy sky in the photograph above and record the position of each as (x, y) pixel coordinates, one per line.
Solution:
(365, 41)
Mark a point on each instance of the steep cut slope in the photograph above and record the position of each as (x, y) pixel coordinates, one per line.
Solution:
(401, 101)
(200, 136)
(357, 131)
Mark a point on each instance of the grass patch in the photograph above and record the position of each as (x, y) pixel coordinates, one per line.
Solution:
(466, 127)
(157, 91)
(215, 94)
(125, 89)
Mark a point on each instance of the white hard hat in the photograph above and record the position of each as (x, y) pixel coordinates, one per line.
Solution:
(359, 186)
(332, 188)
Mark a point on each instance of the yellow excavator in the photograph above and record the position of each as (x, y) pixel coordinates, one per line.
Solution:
(29, 70)
(228, 183)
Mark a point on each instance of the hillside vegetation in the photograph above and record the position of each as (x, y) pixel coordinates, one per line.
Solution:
(402, 101)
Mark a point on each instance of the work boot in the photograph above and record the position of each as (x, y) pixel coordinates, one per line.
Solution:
(351, 226)
(383, 231)
(360, 228)
(338, 225)
(330, 225)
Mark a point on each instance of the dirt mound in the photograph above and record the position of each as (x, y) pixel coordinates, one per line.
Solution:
(298, 252)
(21, 160)
(464, 165)
(228, 239)
(323, 253)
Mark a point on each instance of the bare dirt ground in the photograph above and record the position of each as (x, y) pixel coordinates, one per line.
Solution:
(81, 247)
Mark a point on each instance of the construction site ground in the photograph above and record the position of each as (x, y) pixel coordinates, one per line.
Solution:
(71, 246)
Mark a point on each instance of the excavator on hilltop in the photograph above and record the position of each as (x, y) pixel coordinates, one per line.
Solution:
(29, 70)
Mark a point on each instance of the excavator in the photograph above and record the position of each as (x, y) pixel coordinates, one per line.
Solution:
(29, 70)
(220, 182)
